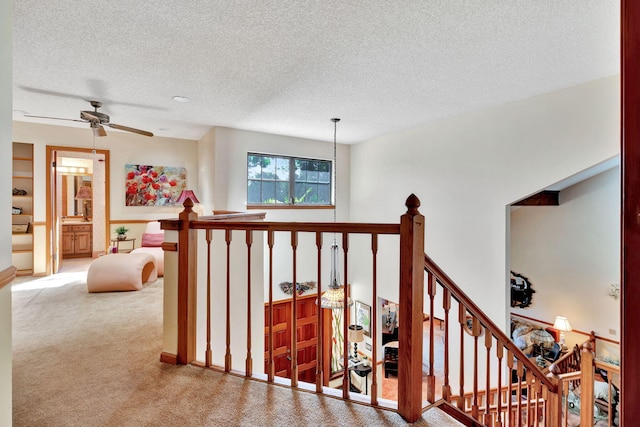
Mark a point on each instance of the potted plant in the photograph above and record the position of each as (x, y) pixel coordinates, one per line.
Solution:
(122, 232)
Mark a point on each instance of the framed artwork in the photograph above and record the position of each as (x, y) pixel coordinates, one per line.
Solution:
(147, 185)
(363, 317)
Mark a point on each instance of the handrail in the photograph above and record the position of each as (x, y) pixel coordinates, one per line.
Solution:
(462, 298)
(311, 227)
(7, 275)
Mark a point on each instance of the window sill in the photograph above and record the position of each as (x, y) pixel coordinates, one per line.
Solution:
(263, 207)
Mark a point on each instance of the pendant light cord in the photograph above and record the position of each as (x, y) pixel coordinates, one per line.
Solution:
(335, 195)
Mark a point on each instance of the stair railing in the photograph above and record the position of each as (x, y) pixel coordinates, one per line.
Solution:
(526, 397)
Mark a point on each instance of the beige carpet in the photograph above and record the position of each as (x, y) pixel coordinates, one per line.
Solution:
(84, 359)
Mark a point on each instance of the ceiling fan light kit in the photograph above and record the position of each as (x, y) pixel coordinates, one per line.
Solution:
(97, 120)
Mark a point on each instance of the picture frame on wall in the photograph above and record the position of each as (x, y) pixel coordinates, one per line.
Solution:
(363, 317)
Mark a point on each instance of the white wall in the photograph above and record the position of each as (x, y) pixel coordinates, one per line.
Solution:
(6, 81)
(571, 254)
(467, 169)
(230, 193)
(124, 148)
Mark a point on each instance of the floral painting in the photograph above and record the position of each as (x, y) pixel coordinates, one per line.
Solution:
(153, 185)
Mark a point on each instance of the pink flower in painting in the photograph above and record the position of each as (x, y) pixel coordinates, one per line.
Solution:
(153, 185)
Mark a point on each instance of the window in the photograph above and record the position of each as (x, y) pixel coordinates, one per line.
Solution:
(282, 180)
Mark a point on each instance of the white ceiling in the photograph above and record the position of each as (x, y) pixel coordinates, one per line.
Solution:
(288, 66)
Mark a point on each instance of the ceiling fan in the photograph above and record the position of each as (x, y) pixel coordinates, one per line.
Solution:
(97, 121)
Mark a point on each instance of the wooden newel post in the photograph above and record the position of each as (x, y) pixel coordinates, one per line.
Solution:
(554, 401)
(187, 266)
(586, 385)
(411, 300)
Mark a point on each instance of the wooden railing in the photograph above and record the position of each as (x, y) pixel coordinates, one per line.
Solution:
(410, 230)
(579, 370)
(525, 397)
(475, 351)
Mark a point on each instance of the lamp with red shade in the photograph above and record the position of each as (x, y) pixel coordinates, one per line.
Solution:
(84, 194)
(187, 194)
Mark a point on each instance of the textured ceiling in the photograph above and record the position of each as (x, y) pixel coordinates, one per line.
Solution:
(288, 66)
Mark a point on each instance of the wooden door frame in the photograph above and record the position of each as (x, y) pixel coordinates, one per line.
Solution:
(50, 202)
(630, 212)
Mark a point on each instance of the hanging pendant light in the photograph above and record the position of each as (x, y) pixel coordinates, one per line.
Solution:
(334, 297)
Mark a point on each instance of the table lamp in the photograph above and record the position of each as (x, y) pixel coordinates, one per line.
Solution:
(356, 335)
(562, 324)
(84, 194)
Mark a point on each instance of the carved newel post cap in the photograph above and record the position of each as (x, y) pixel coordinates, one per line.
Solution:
(188, 205)
(412, 204)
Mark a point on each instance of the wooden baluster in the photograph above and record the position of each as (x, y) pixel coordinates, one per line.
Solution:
(227, 356)
(207, 353)
(411, 306)
(249, 362)
(510, 388)
(319, 326)
(488, 342)
(346, 321)
(374, 332)
(187, 286)
(294, 313)
(499, 355)
(431, 378)
(520, 373)
(462, 319)
(446, 305)
(271, 367)
(537, 394)
(529, 391)
(476, 330)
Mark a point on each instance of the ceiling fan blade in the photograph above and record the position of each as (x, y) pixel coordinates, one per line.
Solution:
(54, 118)
(99, 130)
(88, 116)
(95, 85)
(128, 129)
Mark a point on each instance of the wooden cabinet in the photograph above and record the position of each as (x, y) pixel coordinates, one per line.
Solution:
(307, 321)
(77, 241)
(22, 208)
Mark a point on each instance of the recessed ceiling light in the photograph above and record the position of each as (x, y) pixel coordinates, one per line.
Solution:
(179, 98)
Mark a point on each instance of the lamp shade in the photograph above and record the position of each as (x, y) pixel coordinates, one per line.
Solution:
(562, 324)
(542, 337)
(187, 194)
(84, 193)
(356, 333)
(334, 298)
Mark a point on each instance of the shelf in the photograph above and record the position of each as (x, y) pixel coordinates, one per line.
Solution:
(21, 249)
(21, 241)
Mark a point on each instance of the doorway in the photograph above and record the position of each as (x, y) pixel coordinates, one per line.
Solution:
(77, 204)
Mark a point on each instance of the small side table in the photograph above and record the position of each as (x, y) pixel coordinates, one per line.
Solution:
(362, 371)
(118, 241)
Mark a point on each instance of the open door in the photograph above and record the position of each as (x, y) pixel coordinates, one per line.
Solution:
(58, 172)
(53, 214)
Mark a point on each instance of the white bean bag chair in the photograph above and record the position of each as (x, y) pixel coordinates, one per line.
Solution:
(121, 272)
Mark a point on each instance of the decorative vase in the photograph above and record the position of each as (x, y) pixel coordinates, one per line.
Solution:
(122, 236)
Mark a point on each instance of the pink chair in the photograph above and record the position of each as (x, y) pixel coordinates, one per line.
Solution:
(152, 239)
